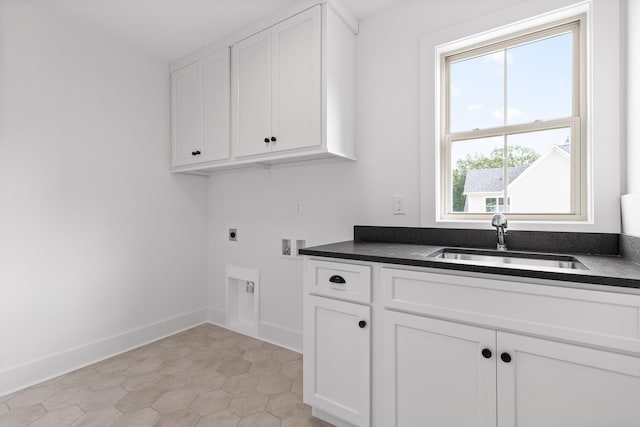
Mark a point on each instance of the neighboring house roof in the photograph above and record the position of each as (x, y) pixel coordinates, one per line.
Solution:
(489, 180)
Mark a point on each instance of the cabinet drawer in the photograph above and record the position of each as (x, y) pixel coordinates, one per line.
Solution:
(586, 316)
(349, 282)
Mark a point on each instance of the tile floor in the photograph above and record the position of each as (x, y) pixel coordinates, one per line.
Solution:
(205, 376)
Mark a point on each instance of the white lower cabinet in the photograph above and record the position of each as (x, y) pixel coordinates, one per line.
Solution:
(435, 374)
(337, 358)
(554, 384)
(440, 373)
(448, 350)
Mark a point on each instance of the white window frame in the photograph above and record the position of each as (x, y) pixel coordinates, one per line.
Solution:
(577, 122)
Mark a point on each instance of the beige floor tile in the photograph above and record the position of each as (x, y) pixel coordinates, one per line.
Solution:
(265, 368)
(174, 352)
(292, 369)
(22, 416)
(219, 419)
(102, 399)
(174, 400)
(297, 385)
(261, 419)
(103, 418)
(134, 401)
(248, 403)
(67, 397)
(145, 365)
(257, 355)
(234, 366)
(274, 384)
(173, 382)
(100, 381)
(142, 381)
(59, 418)
(31, 396)
(285, 405)
(143, 418)
(207, 375)
(208, 381)
(175, 366)
(211, 402)
(283, 355)
(304, 421)
(115, 364)
(182, 418)
(242, 383)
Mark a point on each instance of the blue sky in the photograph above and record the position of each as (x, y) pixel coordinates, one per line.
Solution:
(539, 83)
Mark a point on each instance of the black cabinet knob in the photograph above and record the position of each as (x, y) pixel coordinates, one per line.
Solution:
(195, 153)
(266, 140)
(273, 139)
(505, 357)
(337, 279)
(362, 323)
(486, 353)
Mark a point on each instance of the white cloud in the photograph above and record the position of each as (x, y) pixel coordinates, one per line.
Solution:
(455, 90)
(472, 107)
(512, 112)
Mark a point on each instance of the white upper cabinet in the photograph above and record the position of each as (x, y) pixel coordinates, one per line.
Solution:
(200, 111)
(277, 87)
(291, 96)
(252, 95)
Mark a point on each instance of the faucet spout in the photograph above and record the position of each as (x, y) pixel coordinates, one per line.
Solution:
(499, 221)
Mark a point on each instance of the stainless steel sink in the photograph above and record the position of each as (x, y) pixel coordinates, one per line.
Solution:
(525, 259)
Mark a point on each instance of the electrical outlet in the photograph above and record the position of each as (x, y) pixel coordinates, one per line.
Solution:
(398, 205)
(299, 207)
(233, 234)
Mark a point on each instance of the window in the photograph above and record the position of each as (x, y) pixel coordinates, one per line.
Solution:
(495, 204)
(512, 125)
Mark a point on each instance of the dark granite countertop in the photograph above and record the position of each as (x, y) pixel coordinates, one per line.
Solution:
(610, 269)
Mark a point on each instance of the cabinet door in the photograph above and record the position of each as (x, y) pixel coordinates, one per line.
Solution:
(435, 373)
(215, 106)
(186, 120)
(337, 358)
(549, 384)
(251, 95)
(297, 98)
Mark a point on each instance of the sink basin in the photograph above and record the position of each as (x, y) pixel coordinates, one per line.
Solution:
(524, 259)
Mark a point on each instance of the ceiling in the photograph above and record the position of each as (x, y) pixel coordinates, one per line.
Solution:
(172, 28)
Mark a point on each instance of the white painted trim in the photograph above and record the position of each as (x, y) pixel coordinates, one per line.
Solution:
(279, 335)
(273, 334)
(37, 371)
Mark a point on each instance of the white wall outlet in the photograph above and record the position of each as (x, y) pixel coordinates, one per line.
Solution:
(398, 205)
(299, 207)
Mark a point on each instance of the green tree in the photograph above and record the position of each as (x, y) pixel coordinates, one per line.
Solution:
(516, 156)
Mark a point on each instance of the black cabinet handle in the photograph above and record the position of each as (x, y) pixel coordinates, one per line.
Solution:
(273, 139)
(362, 323)
(505, 357)
(337, 279)
(195, 153)
(266, 140)
(486, 353)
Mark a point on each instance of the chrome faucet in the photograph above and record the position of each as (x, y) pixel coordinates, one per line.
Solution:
(499, 221)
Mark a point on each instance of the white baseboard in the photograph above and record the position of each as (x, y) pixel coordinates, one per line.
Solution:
(281, 336)
(268, 332)
(36, 371)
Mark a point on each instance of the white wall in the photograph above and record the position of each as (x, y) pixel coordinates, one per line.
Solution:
(633, 97)
(97, 238)
(261, 204)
